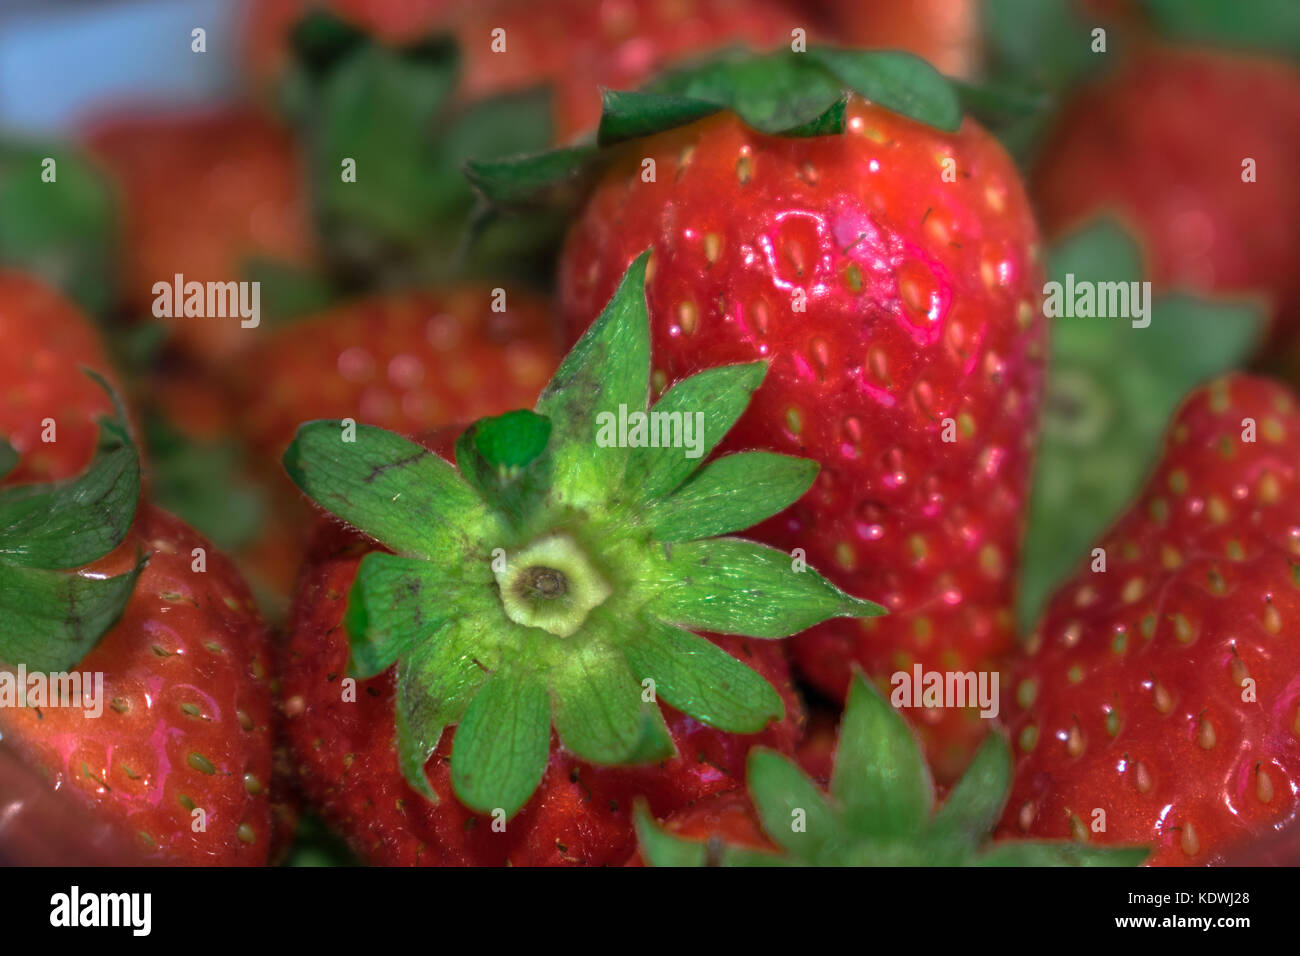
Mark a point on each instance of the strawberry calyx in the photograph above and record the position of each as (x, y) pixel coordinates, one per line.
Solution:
(783, 93)
(51, 618)
(880, 808)
(558, 573)
(386, 139)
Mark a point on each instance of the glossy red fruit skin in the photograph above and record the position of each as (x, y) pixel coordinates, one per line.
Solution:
(47, 342)
(185, 640)
(863, 380)
(202, 194)
(1160, 145)
(580, 815)
(1215, 583)
(406, 361)
(575, 46)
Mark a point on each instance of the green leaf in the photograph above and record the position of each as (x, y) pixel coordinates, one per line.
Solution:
(394, 604)
(599, 714)
(505, 459)
(320, 40)
(440, 518)
(71, 523)
(897, 81)
(699, 678)
(1027, 853)
(794, 811)
(1111, 389)
(8, 457)
(975, 803)
(879, 778)
(721, 394)
(734, 586)
(529, 179)
(501, 747)
(64, 231)
(609, 367)
(733, 493)
(631, 115)
(435, 685)
(49, 621)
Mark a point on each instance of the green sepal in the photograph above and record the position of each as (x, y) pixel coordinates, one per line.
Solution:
(65, 231)
(702, 680)
(502, 745)
(50, 621)
(608, 367)
(505, 459)
(435, 684)
(71, 523)
(1271, 26)
(600, 713)
(975, 803)
(1111, 389)
(721, 394)
(394, 604)
(880, 778)
(410, 215)
(863, 821)
(732, 493)
(793, 811)
(440, 515)
(734, 586)
(782, 93)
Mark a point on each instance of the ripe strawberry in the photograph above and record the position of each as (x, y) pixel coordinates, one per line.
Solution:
(203, 195)
(880, 809)
(895, 308)
(405, 361)
(181, 720)
(557, 575)
(1135, 145)
(574, 46)
(1163, 691)
(47, 341)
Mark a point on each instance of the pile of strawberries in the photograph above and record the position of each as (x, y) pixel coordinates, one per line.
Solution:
(382, 570)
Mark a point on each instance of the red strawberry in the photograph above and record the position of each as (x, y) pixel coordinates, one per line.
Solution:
(721, 819)
(922, 319)
(1163, 691)
(47, 341)
(174, 715)
(576, 46)
(405, 361)
(555, 579)
(1136, 145)
(203, 194)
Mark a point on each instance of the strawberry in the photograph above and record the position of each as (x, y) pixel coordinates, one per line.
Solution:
(554, 577)
(203, 195)
(573, 46)
(407, 361)
(48, 340)
(879, 809)
(1134, 145)
(1157, 702)
(894, 308)
(169, 742)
